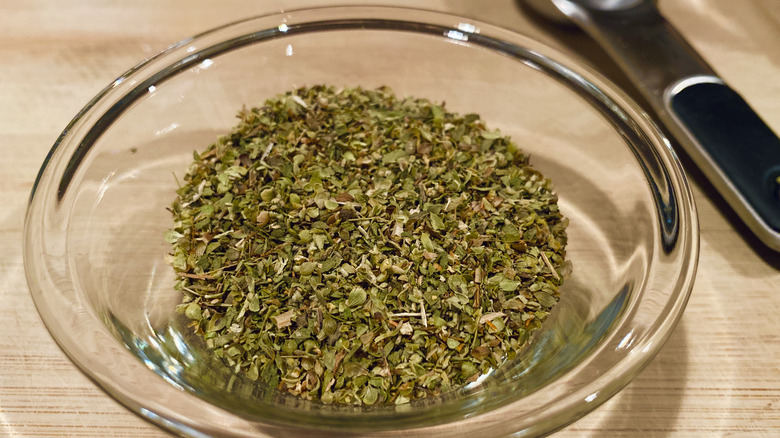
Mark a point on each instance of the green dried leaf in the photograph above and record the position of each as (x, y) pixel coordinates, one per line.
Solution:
(357, 297)
(545, 299)
(393, 156)
(308, 268)
(457, 283)
(193, 311)
(172, 236)
(510, 233)
(427, 243)
(508, 285)
(331, 263)
(490, 135)
(436, 222)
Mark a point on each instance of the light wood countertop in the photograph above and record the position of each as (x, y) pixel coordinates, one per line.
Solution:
(718, 375)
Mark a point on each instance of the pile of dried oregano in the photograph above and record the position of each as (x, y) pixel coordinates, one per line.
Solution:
(349, 246)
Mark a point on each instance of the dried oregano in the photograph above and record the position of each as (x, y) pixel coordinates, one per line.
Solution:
(348, 246)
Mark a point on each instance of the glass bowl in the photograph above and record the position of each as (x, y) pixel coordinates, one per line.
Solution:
(94, 252)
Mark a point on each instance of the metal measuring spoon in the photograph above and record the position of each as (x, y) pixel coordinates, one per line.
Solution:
(727, 140)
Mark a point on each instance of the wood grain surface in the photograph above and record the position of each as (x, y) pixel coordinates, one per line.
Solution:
(718, 375)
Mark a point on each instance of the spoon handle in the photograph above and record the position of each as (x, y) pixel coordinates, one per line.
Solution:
(728, 141)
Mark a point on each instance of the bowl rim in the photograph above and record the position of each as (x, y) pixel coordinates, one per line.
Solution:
(575, 404)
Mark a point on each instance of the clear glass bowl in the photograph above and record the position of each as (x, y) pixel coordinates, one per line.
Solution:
(94, 251)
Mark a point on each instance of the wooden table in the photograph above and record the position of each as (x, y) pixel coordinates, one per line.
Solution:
(719, 374)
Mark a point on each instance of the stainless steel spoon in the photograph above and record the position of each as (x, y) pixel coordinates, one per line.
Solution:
(727, 140)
